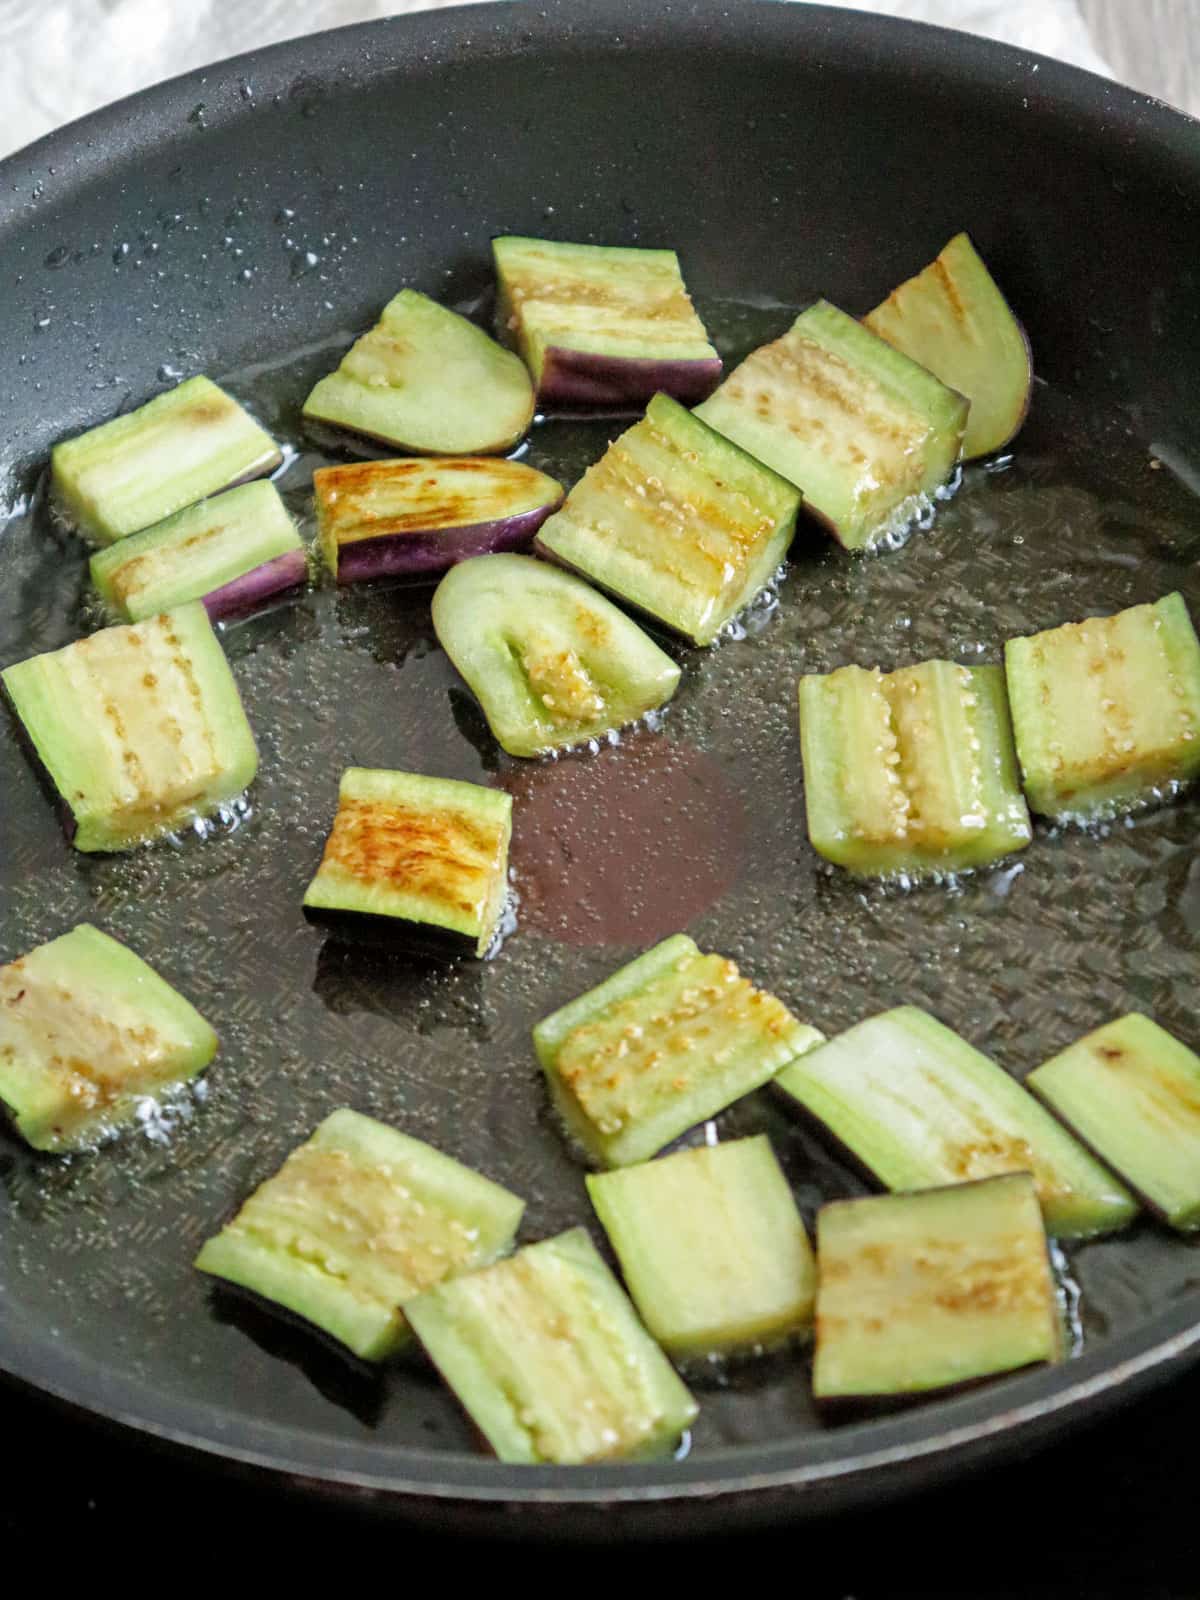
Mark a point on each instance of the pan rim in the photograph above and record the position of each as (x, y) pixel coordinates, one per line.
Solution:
(989, 1421)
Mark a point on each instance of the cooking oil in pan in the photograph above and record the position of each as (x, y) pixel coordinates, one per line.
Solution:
(696, 822)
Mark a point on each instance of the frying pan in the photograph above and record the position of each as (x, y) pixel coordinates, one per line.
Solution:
(245, 221)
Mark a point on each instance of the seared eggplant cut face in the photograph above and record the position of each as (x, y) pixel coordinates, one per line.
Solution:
(676, 520)
(924, 1292)
(357, 1221)
(602, 327)
(919, 1107)
(380, 518)
(552, 662)
(88, 1035)
(953, 320)
(910, 772)
(864, 432)
(427, 381)
(1106, 712)
(415, 861)
(137, 469)
(1132, 1092)
(547, 1357)
(139, 728)
(670, 1039)
(233, 552)
(712, 1248)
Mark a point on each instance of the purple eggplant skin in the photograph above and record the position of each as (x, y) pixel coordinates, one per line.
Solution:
(431, 551)
(268, 581)
(418, 516)
(579, 380)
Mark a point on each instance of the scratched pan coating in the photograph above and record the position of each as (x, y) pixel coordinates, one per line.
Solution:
(246, 222)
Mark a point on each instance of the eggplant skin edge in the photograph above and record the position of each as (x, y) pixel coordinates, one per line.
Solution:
(433, 551)
(421, 939)
(847, 1408)
(577, 378)
(270, 580)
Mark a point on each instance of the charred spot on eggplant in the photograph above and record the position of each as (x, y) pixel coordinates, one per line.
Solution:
(676, 520)
(602, 327)
(426, 380)
(139, 728)
(136, 469)
(912, 771)
(1106, 712)
(547, 1357)
(358, 1220)
(89, 1035)
(921, 1293)
(668, 1040)
(953, 320)
(1131, 1091)
(712, 1248)
(553, 663)
(415, 861)
(232, 552)
(918, 1106)
(867, 435)
(382, 518)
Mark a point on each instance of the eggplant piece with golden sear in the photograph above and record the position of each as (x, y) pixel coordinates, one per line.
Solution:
(953, 320)
(677, 521)
(90, 1037)
(867, 435)
(358, 1221)
(547, 1357)
(139, 728)
(416, 862)
(668, 1040)
(378, 519)
(1106, 712)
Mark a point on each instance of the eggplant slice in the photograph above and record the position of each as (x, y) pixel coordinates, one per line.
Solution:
(867, 435)
(233, 552)
(1131, 1091)
(552, 663)
(417, 862)
(677, 521)
(136, 469)
(919, 1107)
(952, 319)
(712, 1248)
(668, 1040)
(90, 1036)
(380, 519)
(601, 327)
(140, 728)
(1106, 712)
(427, 381)
(911, 772)
(358, 1220)
(925, 1292)
(547, 1357)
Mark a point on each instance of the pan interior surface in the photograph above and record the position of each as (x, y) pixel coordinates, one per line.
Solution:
(786, 154)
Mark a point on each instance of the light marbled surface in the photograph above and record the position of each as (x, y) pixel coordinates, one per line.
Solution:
(1152, 44)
